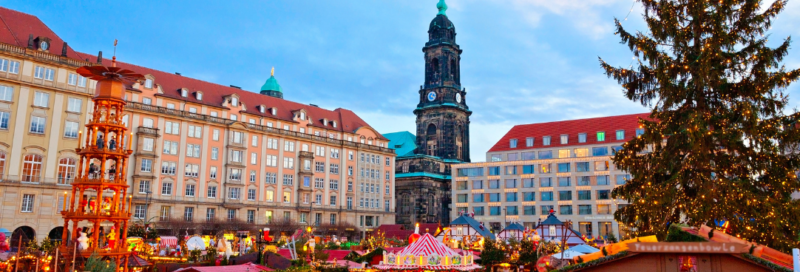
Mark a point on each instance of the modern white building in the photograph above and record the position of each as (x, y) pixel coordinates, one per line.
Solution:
(563, 166)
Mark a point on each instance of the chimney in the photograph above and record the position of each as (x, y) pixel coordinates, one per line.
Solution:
(237, 87)
(177, 73)
(30, 41)
(100, 57)
(314, 105)
(64, 50)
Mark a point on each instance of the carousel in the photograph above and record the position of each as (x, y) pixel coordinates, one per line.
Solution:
(427, 254)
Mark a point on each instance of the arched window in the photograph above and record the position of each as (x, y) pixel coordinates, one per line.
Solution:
(453, 69)
(369, 141)
(431, 132)
(435, 68)
(431, 141)
(32, 168)
(363, 139)
(66, 170)
(2, 164)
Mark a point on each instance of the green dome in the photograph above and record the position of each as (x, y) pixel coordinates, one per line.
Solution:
(271, 85)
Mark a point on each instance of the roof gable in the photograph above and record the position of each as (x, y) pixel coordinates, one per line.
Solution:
(467, 220)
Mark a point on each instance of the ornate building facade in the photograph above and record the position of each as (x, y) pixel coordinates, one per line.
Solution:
(442, 136)
(201, 151)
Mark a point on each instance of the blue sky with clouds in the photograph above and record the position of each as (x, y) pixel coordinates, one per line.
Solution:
(524, 61)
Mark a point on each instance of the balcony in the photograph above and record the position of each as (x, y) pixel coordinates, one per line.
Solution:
(147, 131)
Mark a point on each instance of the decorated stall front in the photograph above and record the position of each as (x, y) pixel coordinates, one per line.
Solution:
(427, 253)
(467, 231)
(512, 231)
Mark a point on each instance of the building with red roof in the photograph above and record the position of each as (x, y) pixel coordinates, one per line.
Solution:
(562, 167)
(201, 150)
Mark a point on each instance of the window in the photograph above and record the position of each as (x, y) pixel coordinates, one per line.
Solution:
(212, 192)
(168, 168)
(190, 190)
(546, 154)
(512, 143)
(287, 179)
(332, 200)
(144, 186)
(564, 153)
(319, 183)
(172, 128)
(147, 144)
(288, 146)
(461, 185)
(139, 212)
(287, 196)
(215, 135)
(511, 183)
(195, 131)
(318, 199)
(563, 182)
(494, 171)
(603, 194)
(581, 152)
(470, 172)
(271, 178)
(27, 203)
(81, 81)
(565, 209)
(529, 196)
(497, 158)
(512, 210)
(564, 195)
(234, 193)
(529, 141)
(254, 140)
(288, 163)
(38, 72)
(478, 210)
(529, 210)
(214, 153)
(270, 195)
(547, 196)
(545, 182)
(603, 209)
(193, 151)
(210, 214)
(6, 93)
(585, 195)
(388, 161)
(528, 183)
(349, 202)
(511, 197)
(32, 168)
(231, 214)
(563, 167)
(170, 148)
(494, 210)
(615, 149)
(147, 165)
(639, 132)
(147, 101)
(349, 186)
(546, 169)
(251, 216)
(166, 188)
(74, 105)
(584, 209)
(165, 212)
(564, 139)
(66, 170)
(583, 181)
(477, 184)
(511, 170)
(600, 151)
(494, 184)
(620, 134)
(319, 167)
(494, 197)
(547, 209)
(527, 156)
(236, 174)
(37, 124)
(581, 137)
(333, 184)
(213, 172)
(272, 144)
(251, 194)
(70, 129)
(622, 179)
(148, 83)
(601, 136)
(253, 158)
(188, 213)
(546, 140)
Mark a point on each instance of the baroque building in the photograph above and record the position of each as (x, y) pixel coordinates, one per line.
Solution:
(442, 136)
(201, 151)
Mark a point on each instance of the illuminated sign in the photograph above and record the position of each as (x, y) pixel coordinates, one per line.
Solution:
(689, 247)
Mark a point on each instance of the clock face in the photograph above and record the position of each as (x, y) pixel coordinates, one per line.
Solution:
(458, 98)
(43, 45)
(431, 96)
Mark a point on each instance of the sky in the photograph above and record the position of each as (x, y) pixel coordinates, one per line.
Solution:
(524, 61)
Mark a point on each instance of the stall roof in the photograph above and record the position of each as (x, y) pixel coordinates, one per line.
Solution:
(467, 220)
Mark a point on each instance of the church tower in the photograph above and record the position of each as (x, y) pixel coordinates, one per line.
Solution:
(442, 112)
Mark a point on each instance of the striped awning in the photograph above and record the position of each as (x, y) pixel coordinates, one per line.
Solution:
(171, 241)
(428, 267)
(427, 245)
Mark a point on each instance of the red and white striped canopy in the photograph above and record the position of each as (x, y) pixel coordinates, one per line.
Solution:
(427, 245)
(428, 267)
(171, 241)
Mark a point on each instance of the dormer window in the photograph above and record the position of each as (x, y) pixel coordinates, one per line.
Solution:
(184, 93)
(262, 109)
(302, 115)
(198, 95)
(234, 101)
(274, 111)
(334, 123)
(148, 83)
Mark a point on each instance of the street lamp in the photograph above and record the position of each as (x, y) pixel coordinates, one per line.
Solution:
(146, 208)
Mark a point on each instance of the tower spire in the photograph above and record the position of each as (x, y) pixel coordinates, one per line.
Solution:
(442, 7)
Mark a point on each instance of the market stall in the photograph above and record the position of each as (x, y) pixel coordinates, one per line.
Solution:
(428, 253)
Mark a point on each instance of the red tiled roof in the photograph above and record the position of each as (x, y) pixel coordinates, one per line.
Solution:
(16, 26)
(590, 126)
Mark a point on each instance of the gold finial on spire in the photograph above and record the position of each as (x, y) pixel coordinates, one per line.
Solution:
(272, 73)
(114, 57)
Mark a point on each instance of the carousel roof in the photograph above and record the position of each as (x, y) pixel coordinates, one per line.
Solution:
(427, 245)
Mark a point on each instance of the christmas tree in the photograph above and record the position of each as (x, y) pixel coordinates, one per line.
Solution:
(717, 145)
